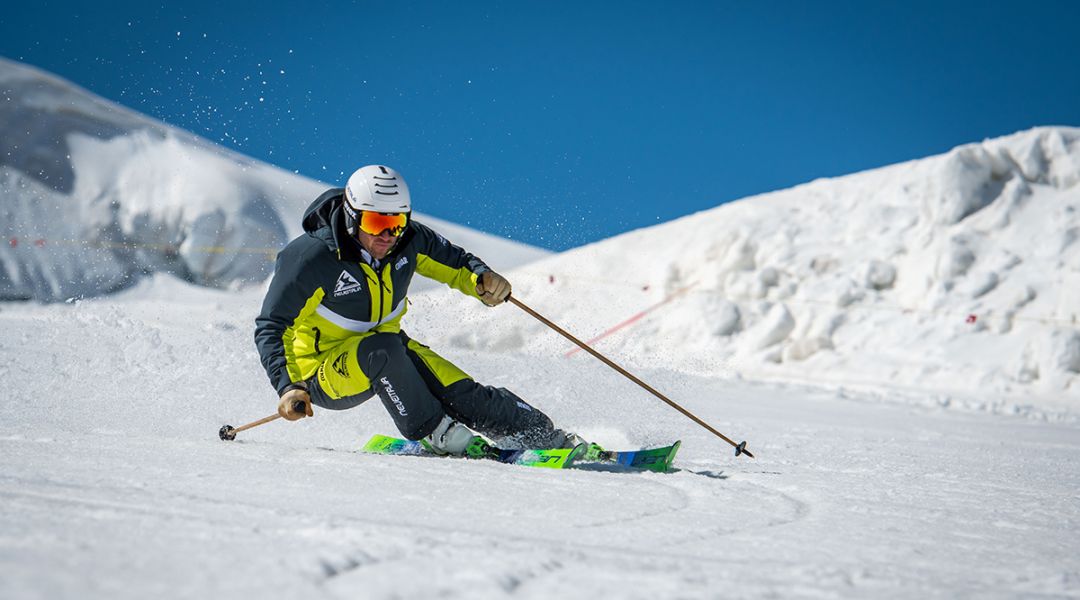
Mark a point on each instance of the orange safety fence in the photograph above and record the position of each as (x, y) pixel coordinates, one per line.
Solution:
(15, 242)
(968, 318)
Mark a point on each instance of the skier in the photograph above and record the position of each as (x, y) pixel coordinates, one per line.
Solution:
(329, 332)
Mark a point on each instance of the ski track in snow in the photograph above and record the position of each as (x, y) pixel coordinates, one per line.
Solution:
(115, 486)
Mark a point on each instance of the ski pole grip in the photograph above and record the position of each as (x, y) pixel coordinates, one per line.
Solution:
(300, 407)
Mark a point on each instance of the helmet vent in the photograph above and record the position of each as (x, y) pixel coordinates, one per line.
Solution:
(378, 188)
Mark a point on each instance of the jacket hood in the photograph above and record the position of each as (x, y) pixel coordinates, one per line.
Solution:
(321, 212)
(323, 221)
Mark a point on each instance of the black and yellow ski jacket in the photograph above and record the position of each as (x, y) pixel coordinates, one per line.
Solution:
(325, 290)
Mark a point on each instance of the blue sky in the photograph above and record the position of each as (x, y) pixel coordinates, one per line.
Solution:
(561, 123)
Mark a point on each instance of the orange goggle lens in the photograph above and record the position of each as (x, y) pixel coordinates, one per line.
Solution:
(374, 223)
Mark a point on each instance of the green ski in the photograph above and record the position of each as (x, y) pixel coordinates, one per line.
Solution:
(648, 459)
(548, 459)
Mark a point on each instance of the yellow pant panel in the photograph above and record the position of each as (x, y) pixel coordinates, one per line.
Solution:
(339, 374)
(445, 371)
(306, 356)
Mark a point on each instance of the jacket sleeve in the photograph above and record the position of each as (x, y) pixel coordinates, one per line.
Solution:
(446, 263)
(290, 294)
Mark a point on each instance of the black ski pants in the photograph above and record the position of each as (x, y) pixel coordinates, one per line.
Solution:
(418, 388)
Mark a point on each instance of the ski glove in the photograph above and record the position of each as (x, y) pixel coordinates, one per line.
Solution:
(492, 288)
(287, 408)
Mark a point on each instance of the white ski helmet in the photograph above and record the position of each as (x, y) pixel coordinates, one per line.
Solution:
(379, 189)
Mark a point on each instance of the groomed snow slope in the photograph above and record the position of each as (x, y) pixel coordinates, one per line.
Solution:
(957, 273)
(114, 484)
(93, 197)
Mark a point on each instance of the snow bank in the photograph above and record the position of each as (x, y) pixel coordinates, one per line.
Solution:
(957, 272)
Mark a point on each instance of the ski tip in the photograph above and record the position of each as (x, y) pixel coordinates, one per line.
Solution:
(671, 455)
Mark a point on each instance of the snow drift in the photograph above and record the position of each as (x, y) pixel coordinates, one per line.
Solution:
(956, 272)
(96, 196)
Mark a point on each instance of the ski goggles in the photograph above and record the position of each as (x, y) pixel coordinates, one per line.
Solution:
(374, 223)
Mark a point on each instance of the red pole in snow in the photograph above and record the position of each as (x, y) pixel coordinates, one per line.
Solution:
(635, 318)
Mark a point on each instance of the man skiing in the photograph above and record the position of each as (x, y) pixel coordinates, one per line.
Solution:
(329, 332)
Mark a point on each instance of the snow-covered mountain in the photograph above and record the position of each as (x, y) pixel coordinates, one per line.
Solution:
(93, 196)
(955, 272)
(959, 271)
(115, 485)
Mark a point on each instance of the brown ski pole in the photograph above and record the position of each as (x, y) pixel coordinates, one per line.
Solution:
(740, 448)
(228, 432)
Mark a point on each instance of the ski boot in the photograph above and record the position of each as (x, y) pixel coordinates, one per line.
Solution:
(453, 438)
(593, 452)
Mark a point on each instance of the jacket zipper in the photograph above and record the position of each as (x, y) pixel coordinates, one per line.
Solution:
(381, 288)
(377, 279)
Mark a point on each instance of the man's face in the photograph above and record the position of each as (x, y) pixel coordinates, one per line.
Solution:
(376, 231)
(377, 245)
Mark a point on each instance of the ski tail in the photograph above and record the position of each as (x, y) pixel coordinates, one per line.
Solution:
(384, 444)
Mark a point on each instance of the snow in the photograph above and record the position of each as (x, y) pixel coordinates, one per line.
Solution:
(903, 449)
(956, 273)
(95, 197)
(114, 484)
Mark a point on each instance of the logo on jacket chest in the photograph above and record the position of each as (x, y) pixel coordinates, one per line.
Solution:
(346, 284)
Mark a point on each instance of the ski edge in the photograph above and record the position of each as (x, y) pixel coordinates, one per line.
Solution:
(657, 459)
(549, 459)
